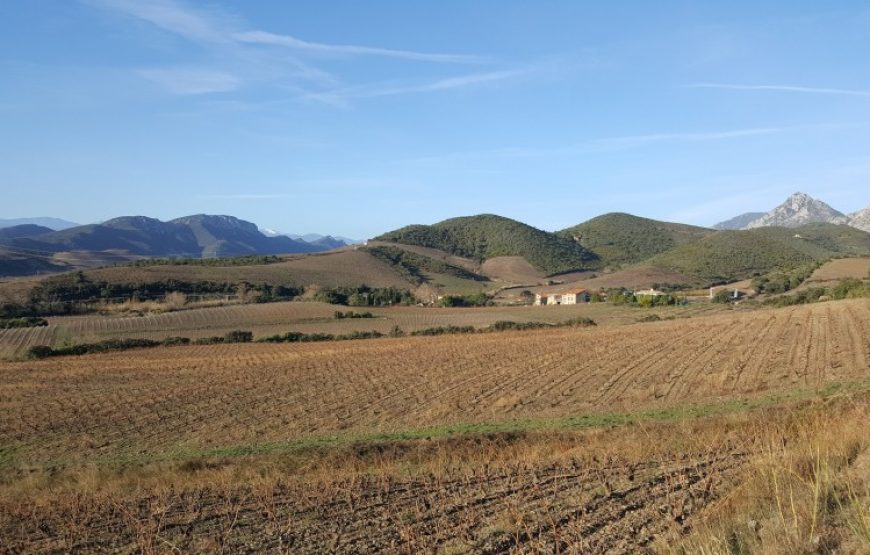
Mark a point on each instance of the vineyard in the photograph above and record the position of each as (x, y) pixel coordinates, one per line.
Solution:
(307, 317)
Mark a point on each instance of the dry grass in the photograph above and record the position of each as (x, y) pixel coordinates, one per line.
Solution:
(450, 444)
(807, 490)
(161, 400)
(616, 490)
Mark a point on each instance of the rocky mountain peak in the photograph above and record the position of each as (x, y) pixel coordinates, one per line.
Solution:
(799, 209)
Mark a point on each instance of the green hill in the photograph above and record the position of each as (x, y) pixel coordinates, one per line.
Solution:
(488, 236)
(733, 255)
(619, 238)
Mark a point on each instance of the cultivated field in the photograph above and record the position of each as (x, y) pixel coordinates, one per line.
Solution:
(309, 317)
(558, 492)
(841, 268)
(441, 444)
(156, 401)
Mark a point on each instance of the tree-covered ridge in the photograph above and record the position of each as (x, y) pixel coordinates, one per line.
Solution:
(412, 266)
(620, 238)
(732, 255)
(488, 236)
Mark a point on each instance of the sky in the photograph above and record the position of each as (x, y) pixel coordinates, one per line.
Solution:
(353, 118)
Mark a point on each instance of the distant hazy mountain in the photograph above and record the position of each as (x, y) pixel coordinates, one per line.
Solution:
(860, 219)
(191, 236)
(23, 230)
(330, 241)
(739, 222)
(55, 224)
(797, 210)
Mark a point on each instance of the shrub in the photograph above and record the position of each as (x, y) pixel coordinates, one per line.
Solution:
(365, 296)
(339, 315)
(22, 322)
(238, 336)
(171, 341)
(477, 299)
(208, 340)
(443, 330)
(580, 321)
(40, 351)
(506, 325)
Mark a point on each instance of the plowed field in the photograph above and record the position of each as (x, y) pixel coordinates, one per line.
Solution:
(308, 317)
(156, 401)
(296, 448)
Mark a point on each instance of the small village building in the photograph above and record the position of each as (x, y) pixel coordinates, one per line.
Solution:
(648, 293)
(572, 296)
(575, 296)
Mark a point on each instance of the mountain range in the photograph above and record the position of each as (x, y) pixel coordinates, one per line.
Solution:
(54, 224)
(197, 236)
(801, 231)
(798, 209)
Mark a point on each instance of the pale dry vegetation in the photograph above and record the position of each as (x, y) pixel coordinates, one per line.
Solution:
(158, 400)
(805, 490)
(634, 489)
(485, 443)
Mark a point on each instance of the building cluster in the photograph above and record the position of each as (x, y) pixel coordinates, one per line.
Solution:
(577, 296)
(572, 296)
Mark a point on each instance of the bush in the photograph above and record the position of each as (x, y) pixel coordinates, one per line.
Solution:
(360, 335)
(845, 289)
(213, 340)
(477, 299)
(649, 318)
(172, 341)
(43, 351)
(365, 296)
(23, 322)
(580, 321)
(339, 315)
(507, 325)
(443, 330)
(239, 336)
(40, 351)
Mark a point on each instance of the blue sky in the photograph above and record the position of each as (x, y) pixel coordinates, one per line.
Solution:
(353, 118)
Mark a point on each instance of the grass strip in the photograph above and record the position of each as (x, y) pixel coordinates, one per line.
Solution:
(586, 421)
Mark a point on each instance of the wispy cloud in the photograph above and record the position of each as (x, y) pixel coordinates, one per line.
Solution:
(194, 25)
(191, 80)
(603, 144)
(341, 97)
(266, 38)
(245, 196)
(781, 88)
(635, 140)
(242, 58)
